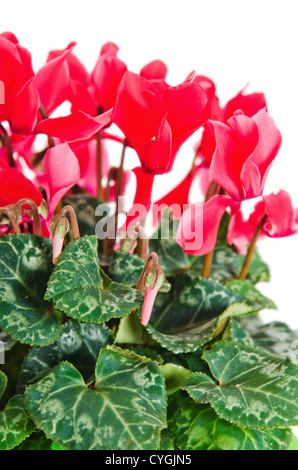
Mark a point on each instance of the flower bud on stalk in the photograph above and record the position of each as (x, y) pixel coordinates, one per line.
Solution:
(59, 229)
(153, 282)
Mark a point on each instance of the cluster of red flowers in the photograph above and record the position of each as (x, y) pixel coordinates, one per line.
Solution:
(238, 145)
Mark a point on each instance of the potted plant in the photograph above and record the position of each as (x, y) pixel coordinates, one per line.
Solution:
(113, 336)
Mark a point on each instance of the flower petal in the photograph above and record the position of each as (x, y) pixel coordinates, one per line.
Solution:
(198, 227)
(62, 171)
(15, 186)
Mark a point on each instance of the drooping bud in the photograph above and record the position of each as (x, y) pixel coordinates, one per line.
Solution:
(59, 228)
(154, 277)
(153, 282)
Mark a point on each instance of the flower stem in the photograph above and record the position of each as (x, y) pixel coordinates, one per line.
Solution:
(44, 115)
(73, 220)
(36, 219)
(212, 190)
(142, 247)
(99, 167)
(251, 250)
(110, 242)
(11, 218)
(8, 146)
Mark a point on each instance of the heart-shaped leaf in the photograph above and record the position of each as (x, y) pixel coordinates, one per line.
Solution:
(25, 267)
(253, 388)
(126, 267)
(80, 288)
(15, 425)
(197, 427)
(79, 343)
(126, 409)
(186, 317)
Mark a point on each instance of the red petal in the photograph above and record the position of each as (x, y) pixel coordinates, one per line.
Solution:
(52, 81)
(263, 155)
(249, 104)
(281, 215)
(107, 75)
(62, 171)
(142, 200)
(23, 109)
(15, 186)
(74, 127)
(141, 113)
(155, 70)
(198, 227)
(187, 110)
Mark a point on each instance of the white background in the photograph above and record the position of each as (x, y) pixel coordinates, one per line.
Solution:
(233, 42)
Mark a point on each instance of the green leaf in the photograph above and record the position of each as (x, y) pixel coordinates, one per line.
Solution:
(171, 256)
(236, 334)
(294, 443)
(79, 287)
(15, 425)
(251, 294)
(174, 376)
(79, 343)
(55, 446)
(25, 267)
(126, 409)
(126, 267)
(253, 388)
(197, 427)
(226, 263)
(277, 337)
(131, 331)
(36, 441)
(258, 269)
(186, 317)
(3, 383)
(166, 441)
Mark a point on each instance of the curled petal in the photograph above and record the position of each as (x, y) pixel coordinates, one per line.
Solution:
(281, 215)
(52, 81)
(250, 104)
(198, 227)
(244, 151)
(74, 127)
(62, 171)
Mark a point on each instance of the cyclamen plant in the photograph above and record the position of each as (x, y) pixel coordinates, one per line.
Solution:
(126, 342)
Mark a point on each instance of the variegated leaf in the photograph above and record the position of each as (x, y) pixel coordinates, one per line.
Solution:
(198, 427)
(80, 288)
(125, 409)
(253, 388)
(25, 267)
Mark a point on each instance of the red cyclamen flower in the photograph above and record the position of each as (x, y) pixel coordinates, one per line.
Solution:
(157, 120)
(282, 221)
(244, 151)
(19, 100)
